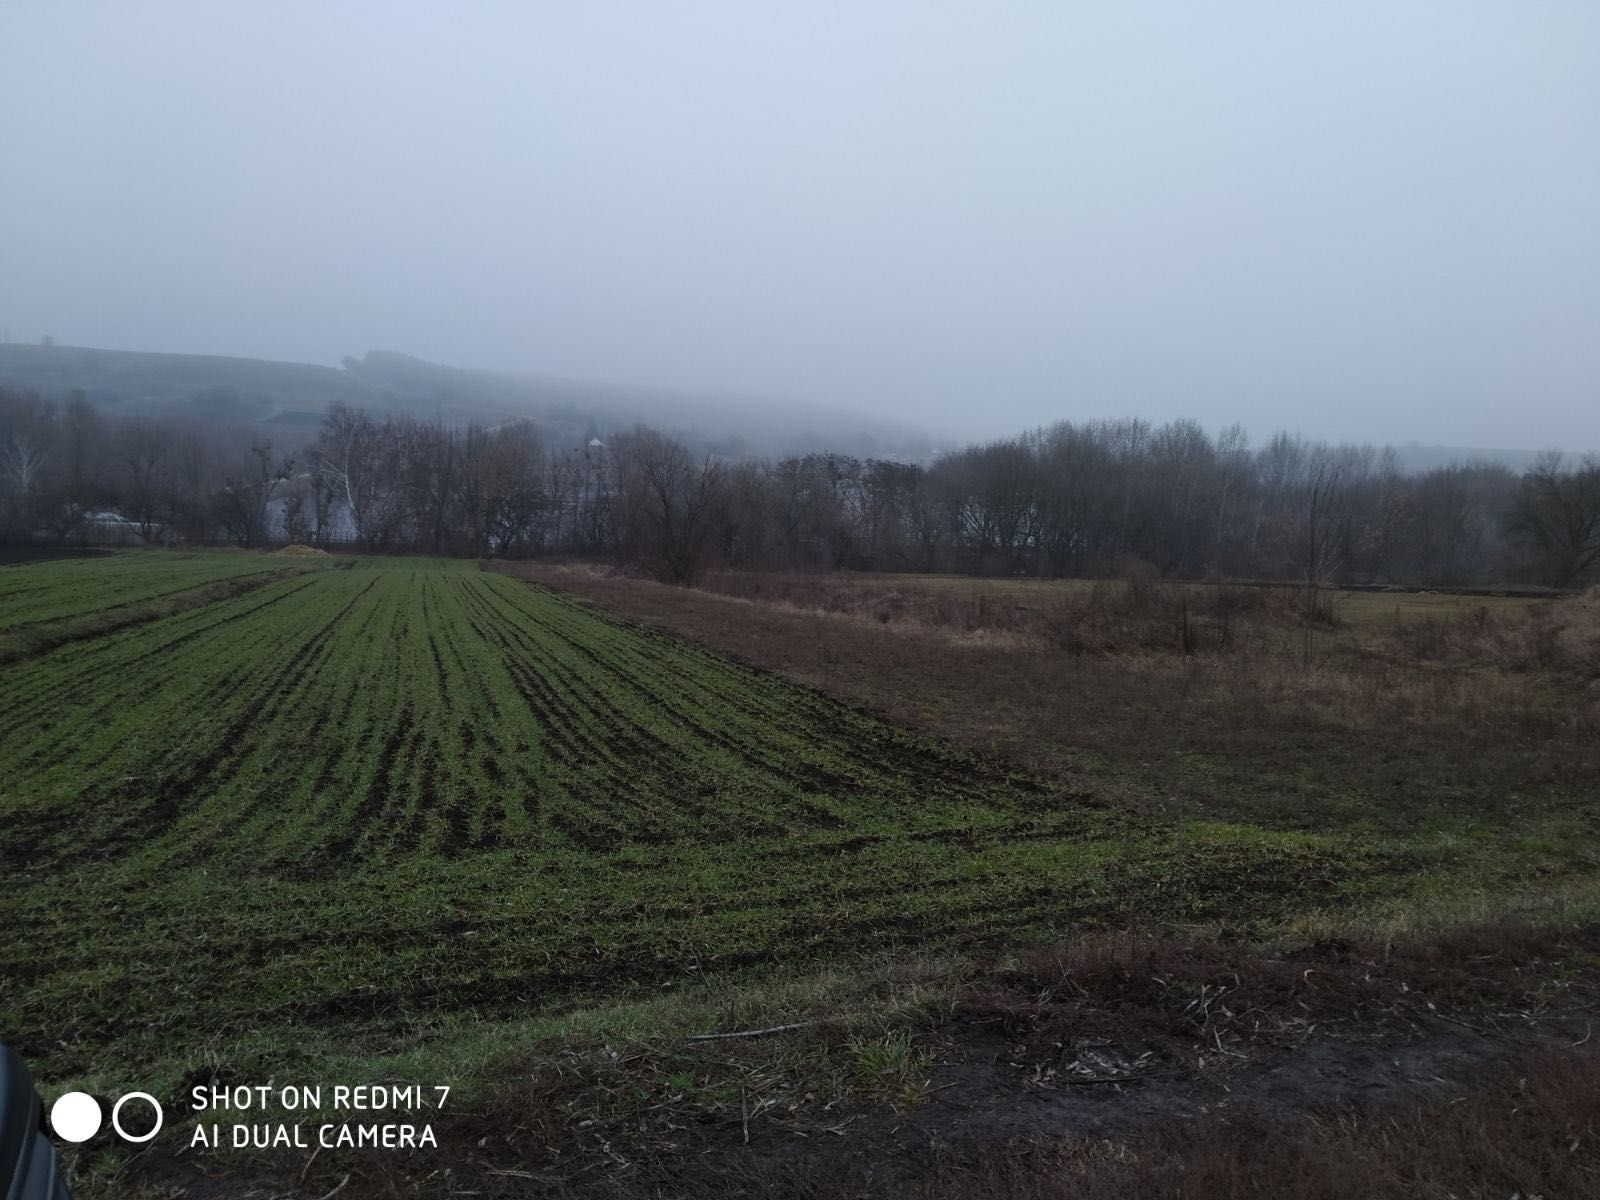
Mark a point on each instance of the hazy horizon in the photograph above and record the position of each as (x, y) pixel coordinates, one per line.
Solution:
(1375, 224)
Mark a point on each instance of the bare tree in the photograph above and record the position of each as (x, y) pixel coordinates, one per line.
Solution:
(667, 504)
(1556, 518)
(143, 451)
(244, 502)
(27, 433)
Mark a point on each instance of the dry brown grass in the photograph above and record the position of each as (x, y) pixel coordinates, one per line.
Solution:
(1529, 1130)
(1135, 613)
(1561, 636)
(1341, 650)
(1257, 1070)
(1497, 978)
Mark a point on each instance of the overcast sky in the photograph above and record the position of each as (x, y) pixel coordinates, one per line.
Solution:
(1366, 221)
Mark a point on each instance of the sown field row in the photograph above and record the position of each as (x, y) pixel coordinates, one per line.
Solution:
(361, 715)
(61, 589)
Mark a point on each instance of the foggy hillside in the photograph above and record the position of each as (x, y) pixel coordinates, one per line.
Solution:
(290, 399)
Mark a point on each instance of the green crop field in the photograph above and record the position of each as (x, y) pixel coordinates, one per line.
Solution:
(366, 806)
(75, 587)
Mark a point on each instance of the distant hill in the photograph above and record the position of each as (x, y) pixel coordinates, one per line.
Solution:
(290, 399)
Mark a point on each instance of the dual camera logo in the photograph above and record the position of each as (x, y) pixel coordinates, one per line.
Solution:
(76, 1117)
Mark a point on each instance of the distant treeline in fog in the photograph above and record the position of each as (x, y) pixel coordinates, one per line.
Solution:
(1087, 499)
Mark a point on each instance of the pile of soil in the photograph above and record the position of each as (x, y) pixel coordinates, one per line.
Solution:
(296, 550)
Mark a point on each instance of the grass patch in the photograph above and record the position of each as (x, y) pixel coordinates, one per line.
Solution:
(410, 820)
(696, 1088)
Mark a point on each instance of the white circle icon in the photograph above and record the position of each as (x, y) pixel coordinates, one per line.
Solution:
(116, 1111)
(75, 1117)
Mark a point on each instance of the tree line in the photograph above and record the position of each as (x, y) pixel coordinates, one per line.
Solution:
(1075, 499)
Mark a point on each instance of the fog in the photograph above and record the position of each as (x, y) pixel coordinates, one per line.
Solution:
(1370, 222)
